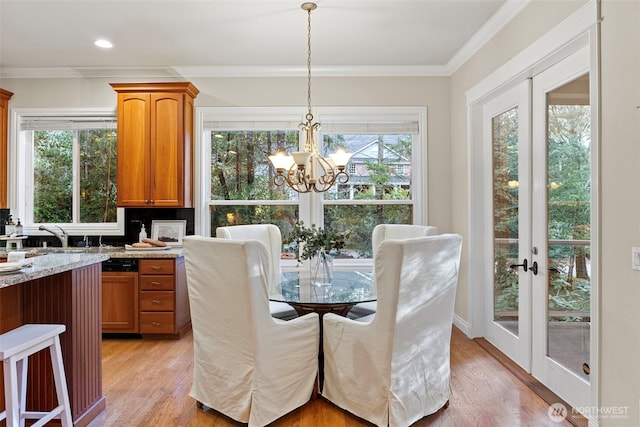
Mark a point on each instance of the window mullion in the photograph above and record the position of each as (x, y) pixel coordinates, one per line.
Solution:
(75, 211)
(26, 175)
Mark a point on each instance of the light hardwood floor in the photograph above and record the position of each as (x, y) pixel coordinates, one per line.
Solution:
(147, 383)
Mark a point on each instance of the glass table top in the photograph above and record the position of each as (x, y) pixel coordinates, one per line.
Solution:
(347, 287)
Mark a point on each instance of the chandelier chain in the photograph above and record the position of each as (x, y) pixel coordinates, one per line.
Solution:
(309, 115)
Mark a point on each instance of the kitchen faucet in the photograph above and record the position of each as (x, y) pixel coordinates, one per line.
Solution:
(62, 235)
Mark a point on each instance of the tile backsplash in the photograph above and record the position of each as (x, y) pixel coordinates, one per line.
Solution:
(4, 216)
(134, 218)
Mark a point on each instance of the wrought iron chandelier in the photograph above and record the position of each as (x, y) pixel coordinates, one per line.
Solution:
(306, 171)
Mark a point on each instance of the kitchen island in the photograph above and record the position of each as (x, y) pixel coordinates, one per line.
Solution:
(63, 288)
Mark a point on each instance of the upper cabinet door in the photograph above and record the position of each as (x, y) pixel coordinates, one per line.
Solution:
(155, 144)
(133, 149)
(167, 149)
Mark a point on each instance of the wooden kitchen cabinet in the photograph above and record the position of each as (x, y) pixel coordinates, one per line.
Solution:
(5, 96)
(155, 144)
(164, 303)
(120, 302)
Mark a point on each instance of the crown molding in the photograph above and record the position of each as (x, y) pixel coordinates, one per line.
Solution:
(85, 72)
(497, 22)
(318, 71)
(188, 72)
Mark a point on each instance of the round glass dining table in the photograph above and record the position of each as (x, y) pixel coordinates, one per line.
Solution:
(306, 295)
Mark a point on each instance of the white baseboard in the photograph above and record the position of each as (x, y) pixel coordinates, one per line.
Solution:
(461, 324)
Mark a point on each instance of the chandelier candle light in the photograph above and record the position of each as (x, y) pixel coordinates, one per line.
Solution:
(299, 170)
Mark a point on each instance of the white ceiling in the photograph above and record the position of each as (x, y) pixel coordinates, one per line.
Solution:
(196, 38)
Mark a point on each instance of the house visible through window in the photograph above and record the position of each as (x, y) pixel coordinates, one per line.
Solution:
(385, 173)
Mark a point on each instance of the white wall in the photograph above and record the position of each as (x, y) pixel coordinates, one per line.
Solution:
(620, 209)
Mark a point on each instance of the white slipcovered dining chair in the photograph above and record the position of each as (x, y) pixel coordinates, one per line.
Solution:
(392, 367)
(382, 232)
(270, 236)
(248, 365)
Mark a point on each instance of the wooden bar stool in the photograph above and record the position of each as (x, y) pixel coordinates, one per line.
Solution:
(15, 348)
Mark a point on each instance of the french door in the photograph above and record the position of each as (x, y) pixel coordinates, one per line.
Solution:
(539, 305)
(507, 127)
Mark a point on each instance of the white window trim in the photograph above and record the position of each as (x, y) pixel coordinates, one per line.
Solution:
(18, 193)
(295, 115)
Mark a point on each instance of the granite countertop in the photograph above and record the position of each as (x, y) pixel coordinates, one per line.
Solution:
(120, 252)
(112, 251)
(49, 264)
(47, 261)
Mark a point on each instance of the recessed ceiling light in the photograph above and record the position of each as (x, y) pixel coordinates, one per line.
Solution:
(103, 43)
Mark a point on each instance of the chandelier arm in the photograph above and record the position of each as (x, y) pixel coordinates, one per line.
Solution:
(279, 179)
(342, 177)
(325, 184)
(297, 179)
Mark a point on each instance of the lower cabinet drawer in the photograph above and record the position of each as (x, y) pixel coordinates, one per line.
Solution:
(157, 301)
(156, 283)
(157, 323)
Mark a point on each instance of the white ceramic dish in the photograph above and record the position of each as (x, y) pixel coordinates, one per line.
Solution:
(10, 267)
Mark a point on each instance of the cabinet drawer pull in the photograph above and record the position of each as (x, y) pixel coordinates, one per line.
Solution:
(156, 283)
(156, 324)
(156, 301)
(156, 267)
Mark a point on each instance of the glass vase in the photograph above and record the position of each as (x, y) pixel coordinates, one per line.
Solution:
(322, 269)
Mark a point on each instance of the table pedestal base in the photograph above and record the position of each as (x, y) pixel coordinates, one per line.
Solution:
(341, 309)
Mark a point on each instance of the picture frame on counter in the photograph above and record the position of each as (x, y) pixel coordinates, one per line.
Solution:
(169, 231)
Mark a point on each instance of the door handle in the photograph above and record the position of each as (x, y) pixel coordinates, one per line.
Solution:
(534, 268)
(524, 265)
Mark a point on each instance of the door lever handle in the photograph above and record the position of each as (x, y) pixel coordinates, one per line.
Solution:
(524, 265)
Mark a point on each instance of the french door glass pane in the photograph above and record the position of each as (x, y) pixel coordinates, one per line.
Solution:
(505, 218)
(569, 231)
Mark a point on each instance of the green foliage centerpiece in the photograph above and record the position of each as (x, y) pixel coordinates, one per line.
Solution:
(318, 244)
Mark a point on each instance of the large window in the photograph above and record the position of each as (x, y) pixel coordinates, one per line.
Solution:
(386, 170)
(66, 171)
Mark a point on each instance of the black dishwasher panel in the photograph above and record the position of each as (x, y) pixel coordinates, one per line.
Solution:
(120, 264)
